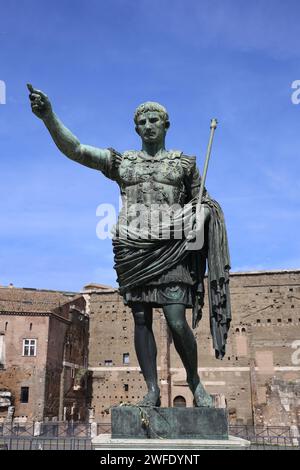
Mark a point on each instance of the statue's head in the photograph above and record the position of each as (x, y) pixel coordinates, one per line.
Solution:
(151, 121)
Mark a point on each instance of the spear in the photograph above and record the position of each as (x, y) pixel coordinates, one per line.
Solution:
(213, 126)
(196, 245)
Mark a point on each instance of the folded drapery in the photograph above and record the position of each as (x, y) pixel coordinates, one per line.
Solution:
(140, 257)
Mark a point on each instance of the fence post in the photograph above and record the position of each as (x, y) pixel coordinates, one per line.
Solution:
(37, 428)
(295, 435)
(93, 429)
(73, 447)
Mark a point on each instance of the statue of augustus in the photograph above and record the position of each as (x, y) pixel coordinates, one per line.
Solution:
(154, 262)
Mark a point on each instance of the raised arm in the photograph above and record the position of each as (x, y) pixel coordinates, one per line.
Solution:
(67, 142)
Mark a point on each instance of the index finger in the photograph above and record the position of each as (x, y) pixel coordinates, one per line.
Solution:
(35, 91)
(30, 87)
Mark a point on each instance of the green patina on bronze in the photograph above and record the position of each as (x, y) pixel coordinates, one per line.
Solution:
(157, 271)
(132, 422)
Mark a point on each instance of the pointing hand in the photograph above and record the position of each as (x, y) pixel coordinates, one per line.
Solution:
(40, 103)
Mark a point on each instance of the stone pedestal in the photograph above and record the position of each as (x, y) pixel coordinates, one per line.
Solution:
(105, 442)
(133, 422)
(151, 428)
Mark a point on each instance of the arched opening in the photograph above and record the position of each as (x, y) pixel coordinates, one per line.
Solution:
(179, 402)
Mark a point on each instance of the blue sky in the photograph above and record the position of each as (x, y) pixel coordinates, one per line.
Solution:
(97, 60)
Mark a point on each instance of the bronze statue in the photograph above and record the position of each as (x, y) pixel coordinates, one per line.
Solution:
(155, 270)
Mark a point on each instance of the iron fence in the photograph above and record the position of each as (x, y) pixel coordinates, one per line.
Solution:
(103, 428)
(54, 435)
(267, 437)
(43, 443)
(50, 429)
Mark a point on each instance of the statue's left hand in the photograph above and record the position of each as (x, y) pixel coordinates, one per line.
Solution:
(203, 217)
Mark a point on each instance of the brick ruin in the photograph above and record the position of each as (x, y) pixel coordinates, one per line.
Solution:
(260, 375)
(43, 355)
(87, 365)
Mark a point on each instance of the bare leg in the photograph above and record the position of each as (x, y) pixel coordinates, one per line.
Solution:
(146, 351)
(186, 346)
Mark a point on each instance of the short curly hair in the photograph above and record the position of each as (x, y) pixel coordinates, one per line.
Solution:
(151, 106)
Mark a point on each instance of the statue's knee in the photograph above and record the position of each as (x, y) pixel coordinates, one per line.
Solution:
(177, 327)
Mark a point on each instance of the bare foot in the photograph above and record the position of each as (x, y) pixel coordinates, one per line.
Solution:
(152, 398)
(202, 398)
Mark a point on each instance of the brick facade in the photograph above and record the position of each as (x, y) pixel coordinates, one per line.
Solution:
(260, 374)
(263, 349)
(46, 383)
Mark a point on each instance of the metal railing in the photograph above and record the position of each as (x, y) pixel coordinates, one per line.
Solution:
(53, 429)
(48, 435)
(42, 443)
(54, 435)
(267, 437)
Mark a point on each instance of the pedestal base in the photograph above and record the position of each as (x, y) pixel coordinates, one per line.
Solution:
(133, 422)
(105, 442)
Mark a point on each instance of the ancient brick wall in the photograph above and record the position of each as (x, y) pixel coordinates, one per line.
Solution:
(55, 377)
(259, 375)
(24, 371)
(66, 394)
(263, 346)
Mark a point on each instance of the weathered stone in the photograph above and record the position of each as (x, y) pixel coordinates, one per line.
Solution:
(105, 442)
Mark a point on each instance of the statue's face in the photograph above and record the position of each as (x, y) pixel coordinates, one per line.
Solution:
(151, 126)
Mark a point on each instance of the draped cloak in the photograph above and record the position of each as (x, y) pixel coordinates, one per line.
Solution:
(141, 257)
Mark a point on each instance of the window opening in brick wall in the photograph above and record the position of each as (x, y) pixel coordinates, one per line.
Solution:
(126, 359)
(24, 398)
